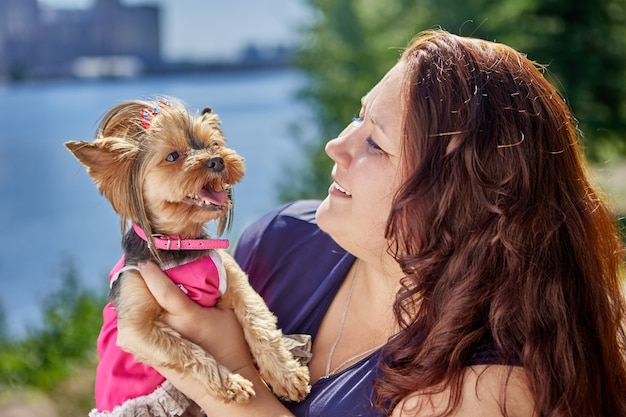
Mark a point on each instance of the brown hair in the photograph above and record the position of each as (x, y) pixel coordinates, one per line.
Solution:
(501, 236)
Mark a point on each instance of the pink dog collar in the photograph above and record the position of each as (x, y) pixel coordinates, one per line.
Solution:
(176, 243)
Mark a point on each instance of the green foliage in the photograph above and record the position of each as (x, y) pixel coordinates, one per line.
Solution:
(352, 43)
(3, 325)
(66, 340)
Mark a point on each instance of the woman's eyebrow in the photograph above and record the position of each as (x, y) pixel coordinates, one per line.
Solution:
(364, 108)
(371, 116)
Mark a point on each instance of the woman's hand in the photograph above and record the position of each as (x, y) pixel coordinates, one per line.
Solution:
(219, 333)
(216, 330)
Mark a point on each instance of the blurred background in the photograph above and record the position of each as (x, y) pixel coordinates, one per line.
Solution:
(284, 76)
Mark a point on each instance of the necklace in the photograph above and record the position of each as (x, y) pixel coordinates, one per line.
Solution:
(328, 371)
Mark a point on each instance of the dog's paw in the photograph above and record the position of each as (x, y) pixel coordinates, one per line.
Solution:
(294, 386)
(235, 388)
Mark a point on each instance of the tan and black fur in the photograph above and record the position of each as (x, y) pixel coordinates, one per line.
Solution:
(158, 176)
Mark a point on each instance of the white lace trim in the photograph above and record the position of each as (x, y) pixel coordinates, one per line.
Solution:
(165, 401)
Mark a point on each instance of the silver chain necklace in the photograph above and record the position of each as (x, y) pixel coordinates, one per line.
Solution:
(328, 372)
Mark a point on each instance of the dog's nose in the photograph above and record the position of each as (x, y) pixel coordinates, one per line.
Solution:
(216, 164)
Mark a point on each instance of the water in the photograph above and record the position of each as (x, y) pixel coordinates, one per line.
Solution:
(52, 214)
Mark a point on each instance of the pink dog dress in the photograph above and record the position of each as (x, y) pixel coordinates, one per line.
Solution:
(125, 387)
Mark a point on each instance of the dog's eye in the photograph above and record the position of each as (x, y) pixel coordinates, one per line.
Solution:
(173, 156)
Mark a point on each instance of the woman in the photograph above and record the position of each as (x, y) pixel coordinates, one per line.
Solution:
(465, 266)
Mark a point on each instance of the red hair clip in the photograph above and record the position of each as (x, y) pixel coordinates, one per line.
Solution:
(147, 114)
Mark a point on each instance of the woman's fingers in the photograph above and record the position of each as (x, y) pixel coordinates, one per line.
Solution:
(164, 290)
(214, 329)
(180, 312)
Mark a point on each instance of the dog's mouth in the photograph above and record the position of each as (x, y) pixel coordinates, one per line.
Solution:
(210, 196)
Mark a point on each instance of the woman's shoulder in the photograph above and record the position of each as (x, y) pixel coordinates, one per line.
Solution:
(281, 220)
(287, 232)
(293, 265)
(291, 221)
(486, 390)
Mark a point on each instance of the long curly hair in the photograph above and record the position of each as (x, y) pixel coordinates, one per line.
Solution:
(501, 236)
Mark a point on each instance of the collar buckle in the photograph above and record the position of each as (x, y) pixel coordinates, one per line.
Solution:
(168, 245)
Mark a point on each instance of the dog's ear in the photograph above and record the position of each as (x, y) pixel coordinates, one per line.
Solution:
(109, 163)
(103, 153)
(211, 118)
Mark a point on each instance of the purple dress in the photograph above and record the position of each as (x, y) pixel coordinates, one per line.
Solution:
(297, 268)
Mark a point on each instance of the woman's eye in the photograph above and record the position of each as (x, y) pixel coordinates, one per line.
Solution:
(370, 142)
(173, 156)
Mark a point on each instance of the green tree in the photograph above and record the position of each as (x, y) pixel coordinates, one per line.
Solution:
(350, 44)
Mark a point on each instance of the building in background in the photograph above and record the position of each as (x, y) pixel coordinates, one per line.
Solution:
(108, 39)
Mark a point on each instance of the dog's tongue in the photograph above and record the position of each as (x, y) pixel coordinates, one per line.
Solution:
(209, 195)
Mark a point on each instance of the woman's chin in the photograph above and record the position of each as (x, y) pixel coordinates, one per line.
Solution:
(330, 219)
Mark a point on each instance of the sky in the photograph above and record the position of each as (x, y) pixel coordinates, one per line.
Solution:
(201, 30)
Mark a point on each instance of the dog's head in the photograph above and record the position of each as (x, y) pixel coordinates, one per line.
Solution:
(163, 168)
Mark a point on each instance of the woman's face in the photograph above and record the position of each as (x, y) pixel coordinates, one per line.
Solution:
(366, 173)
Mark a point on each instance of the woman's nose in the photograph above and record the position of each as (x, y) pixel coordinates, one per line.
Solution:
(330, 147)
(337, 148)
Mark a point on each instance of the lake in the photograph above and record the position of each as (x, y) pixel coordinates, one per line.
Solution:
(52, 214)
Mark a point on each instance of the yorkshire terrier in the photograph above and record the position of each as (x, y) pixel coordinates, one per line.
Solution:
(167, 173)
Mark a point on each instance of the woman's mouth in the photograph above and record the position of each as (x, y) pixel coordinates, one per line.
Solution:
(335, 186)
